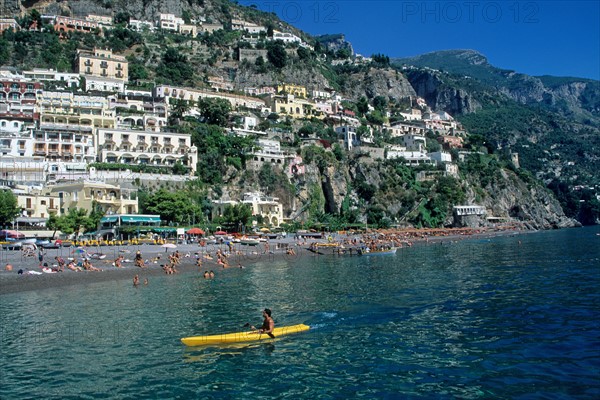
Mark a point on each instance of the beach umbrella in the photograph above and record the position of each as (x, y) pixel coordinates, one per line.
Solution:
(195, 231)
(169, 246)
(220, 233)
(79, 250)
(265, 229)
(7, 233)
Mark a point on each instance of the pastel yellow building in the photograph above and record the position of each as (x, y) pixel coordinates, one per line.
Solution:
(296, 90)
(38, 205)
(83, 194)
(292, 106)
(103, 63)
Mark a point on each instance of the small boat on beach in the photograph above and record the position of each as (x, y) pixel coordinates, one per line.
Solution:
(249, 242)
(378, 252)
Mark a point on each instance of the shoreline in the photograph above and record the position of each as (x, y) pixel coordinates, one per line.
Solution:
(12, 282)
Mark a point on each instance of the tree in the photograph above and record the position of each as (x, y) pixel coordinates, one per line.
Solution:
(178, 108)
(174, 67)
(172, 207)
(381, 60)
(236, 214)
(276, 54)
(9, 208)
(362, 105)
(260, 65)
(303, 53)
(214, 111)
(179, 168)
(74, 220)
(122, 17)
(380, 103)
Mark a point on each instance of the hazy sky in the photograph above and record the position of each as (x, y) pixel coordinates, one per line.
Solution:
(560, 38)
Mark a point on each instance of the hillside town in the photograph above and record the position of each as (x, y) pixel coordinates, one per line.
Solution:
(58, 129)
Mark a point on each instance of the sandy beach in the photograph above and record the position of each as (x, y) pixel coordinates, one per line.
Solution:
(237, 255)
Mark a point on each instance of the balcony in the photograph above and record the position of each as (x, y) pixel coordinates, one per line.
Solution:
(103, 64)
(88, 63)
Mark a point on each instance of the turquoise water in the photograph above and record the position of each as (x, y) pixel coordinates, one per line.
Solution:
(475, 319)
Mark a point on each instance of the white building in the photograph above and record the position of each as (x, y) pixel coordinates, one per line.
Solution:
(168, 92)
(414, 142)
(169, 22)
(42, 74)
(139, 26)
(268, 151)
(15, 143)
(140, 147)
(103, 84)
(412, 157)
(349, 135)
(269, 208)
(250, 27)
(413, 115)
(441, 157)
(286, 37)
(105, 20)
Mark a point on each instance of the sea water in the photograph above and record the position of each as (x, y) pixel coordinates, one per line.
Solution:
(505, 317)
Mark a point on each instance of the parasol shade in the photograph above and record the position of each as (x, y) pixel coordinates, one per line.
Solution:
(195, 231)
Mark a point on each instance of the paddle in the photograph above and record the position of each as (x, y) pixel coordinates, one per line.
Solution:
(247, 324)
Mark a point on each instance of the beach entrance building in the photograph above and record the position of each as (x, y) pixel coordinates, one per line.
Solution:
(123, 225)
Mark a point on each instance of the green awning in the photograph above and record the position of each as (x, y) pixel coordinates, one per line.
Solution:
(108, 219)
(140, 219)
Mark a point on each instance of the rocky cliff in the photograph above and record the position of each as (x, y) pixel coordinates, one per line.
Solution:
(377, 82)
(335, 43)
(529, 203)
(439, 95)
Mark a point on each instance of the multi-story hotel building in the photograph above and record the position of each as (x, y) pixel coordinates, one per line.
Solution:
(139, 111)
(18, 104)
(62, 142)
(66, 108)
(103, 64)
(146, 147)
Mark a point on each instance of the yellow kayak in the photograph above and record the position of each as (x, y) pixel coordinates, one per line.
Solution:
(237, 337)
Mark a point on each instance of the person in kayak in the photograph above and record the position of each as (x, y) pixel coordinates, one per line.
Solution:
(268, 324)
